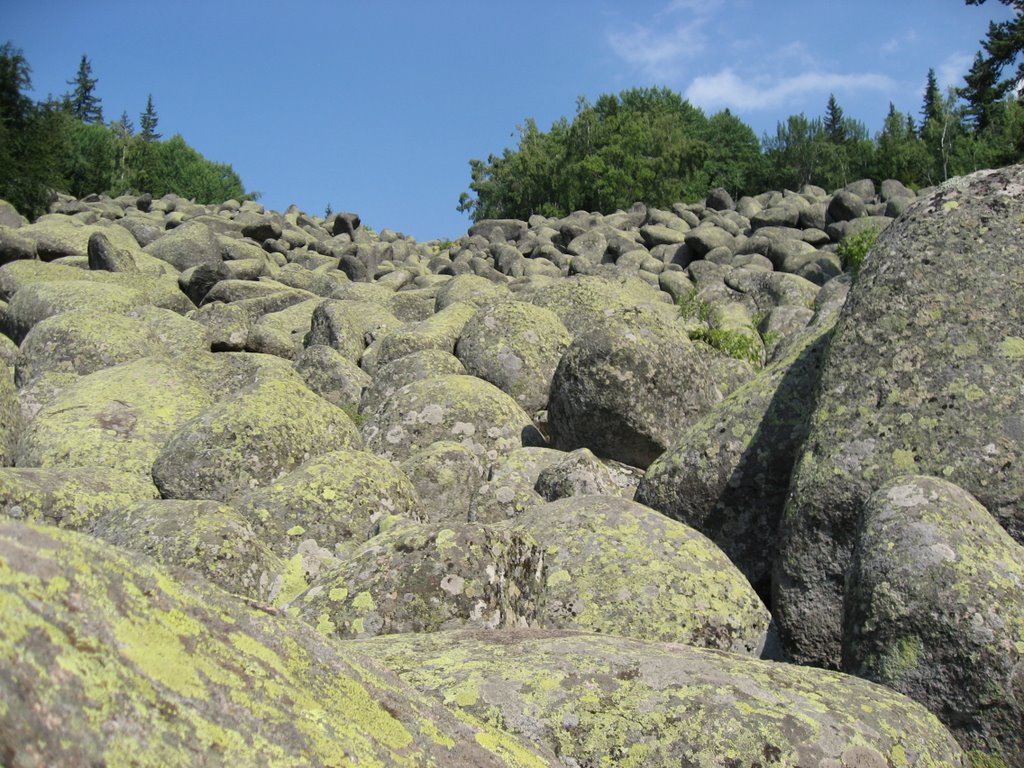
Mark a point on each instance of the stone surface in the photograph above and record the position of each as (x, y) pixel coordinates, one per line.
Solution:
(591, 698)
(934, 609)
(920, 377)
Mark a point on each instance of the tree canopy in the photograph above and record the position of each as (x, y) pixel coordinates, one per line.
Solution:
(64, 146)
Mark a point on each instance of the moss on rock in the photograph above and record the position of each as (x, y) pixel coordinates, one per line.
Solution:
(69, 497)
(603, 700)
(415, 577)
(139, 669)
(10, 415)
(250, 438)
(617, 567)
(462, 409)
(934, 608)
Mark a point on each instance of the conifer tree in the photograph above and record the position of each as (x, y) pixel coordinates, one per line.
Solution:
(931, 109)
(83, 101)
(835, 124)
(148, 121)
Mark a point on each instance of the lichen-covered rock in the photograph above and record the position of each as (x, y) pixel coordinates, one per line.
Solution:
(617, 567)
(334, 325)
(471, 289)
(251, 436)
(416, 366)
(71, 497)
(584, 303)
(446, 476)
(139, 669)
(187, 246)
(921, 377)
(10, 415)
(511, 485)
(39, 301)
(463, 409)
(626, 389)
(516, 346)
(415, 577)
(117, 417)
(332, 376)
(439, 331)
(934, 609)
(728, 474)
(86, 341)
(332, 504)
(602, 700)
(282, 333)
(581, 473)
(59, 236)
(207, 537)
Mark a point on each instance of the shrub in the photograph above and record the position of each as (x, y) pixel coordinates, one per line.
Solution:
(855, 247)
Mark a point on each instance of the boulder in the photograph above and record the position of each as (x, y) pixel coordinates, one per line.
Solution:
(603, 700)
(10, 415)
(934, 609)
(617, 567)
(446, 476)
(510, 488)
(439, 331)
(416, 366)
(581, 473)
(920, 377)
(627, 388)
(207, 537)
(469, 289)
(516, 346)
(104, 255)
(187, 246)
(728, 475)
(332, 376)
(69, 497)
(250, 437)
(139, 668)
(415, 577)
(463, 409)
(333, 502)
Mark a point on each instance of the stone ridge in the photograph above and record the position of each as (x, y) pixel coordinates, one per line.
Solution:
(278, 489)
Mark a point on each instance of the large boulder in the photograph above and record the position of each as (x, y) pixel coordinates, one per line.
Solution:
(137, 668)
(463, 409)
(920, 377)
(70, 497)
(728, 474)
(416, 366)
(617, 567)
(415, 577)
(627, 388)
(208, 537)
(516, 346)
(934, 609)
(251, 436)
(446, 476)
(606, 700)
(187, 246)
(10, 415)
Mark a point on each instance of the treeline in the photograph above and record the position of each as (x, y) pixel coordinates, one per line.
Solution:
(652, 145)
(64, 145)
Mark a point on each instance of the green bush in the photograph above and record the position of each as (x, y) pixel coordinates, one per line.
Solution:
(855, 247)
(732, 343)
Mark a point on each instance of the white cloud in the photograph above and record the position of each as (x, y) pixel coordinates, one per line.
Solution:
(953, 69)
(657, 49)
(894, 44)
(728, 89)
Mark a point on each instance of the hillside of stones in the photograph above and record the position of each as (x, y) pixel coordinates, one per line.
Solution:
(652, 487)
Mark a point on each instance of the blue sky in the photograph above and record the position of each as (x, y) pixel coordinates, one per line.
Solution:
(378, 107)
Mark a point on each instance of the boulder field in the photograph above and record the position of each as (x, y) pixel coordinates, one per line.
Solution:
(652, 487)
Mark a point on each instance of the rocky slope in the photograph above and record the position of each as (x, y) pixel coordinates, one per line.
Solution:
(653, 487)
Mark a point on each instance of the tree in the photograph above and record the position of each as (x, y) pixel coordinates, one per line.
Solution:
(15, 78)
(83, 101)
(835, 125)
(931, 107)
(733, 159)
(901, 153)
(148, 121)
(1003, 46)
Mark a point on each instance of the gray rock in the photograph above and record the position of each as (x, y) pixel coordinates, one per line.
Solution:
(626, 389)
(845, 206)
(332, 376)
(705, 238)
(187, 246)
(920, 377)
(446, 476)
(580, 473)
(934, 609)
(720, 200)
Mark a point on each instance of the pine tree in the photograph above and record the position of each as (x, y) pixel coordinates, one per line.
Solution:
(15, 79)
(124, 126)
(83, 101)
(148, 121)
(1004, 45)
(931, 109)
(835, 124)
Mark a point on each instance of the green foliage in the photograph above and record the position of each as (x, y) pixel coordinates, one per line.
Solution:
(735, 344)
(692, 307)
(979, 759)
(83, 101)
(50, 147)
(855, 247)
